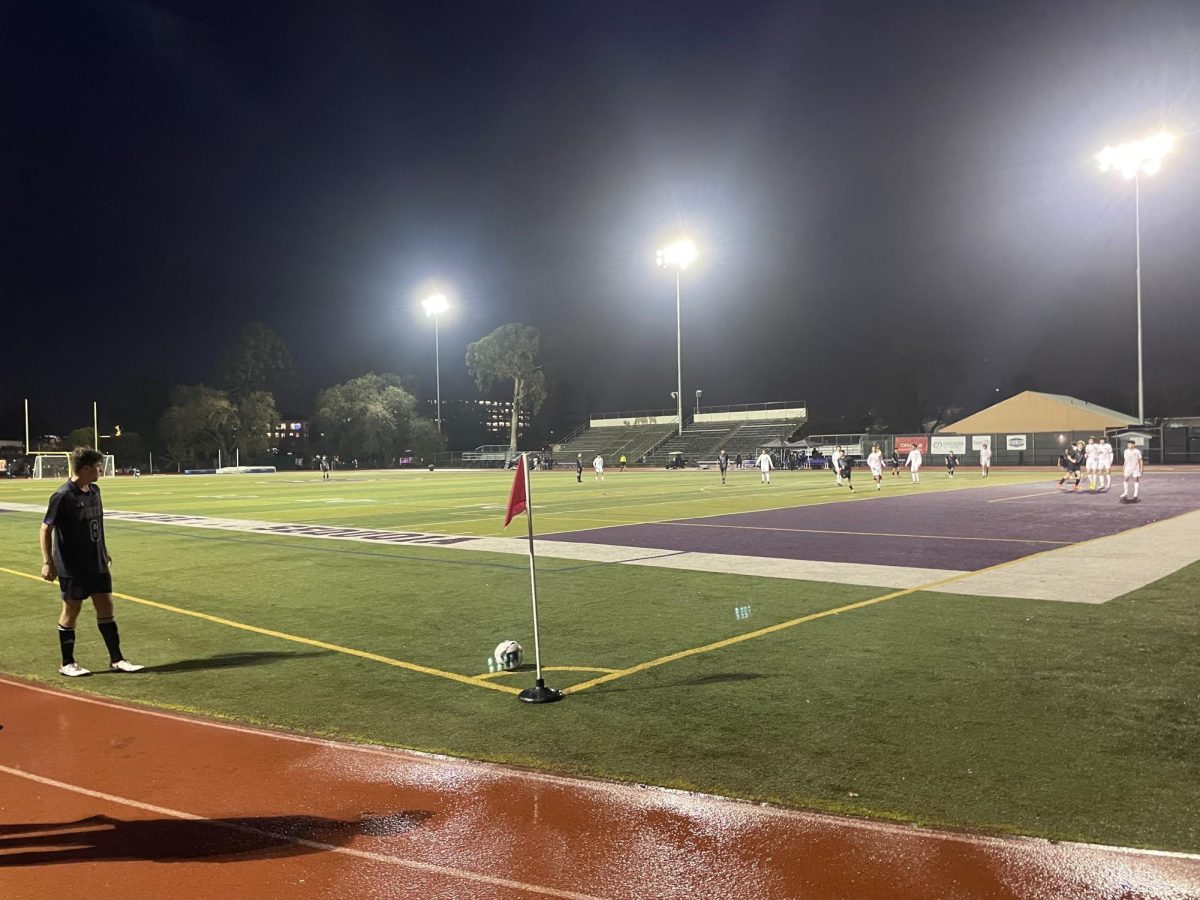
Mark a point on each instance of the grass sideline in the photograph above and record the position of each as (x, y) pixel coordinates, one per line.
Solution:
(1061, 720)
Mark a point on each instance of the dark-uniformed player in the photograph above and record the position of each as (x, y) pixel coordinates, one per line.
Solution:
(951, 462)
(579, 468)
(723, 463)
(1070, 463)
(895, 461)
(74, 552)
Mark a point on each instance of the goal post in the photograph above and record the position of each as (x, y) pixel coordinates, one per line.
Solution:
(52, 465)
(58, 465)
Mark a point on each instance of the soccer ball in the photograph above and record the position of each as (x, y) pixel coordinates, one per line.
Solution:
(508, 655)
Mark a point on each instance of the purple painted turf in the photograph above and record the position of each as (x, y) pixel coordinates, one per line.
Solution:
(877, 525)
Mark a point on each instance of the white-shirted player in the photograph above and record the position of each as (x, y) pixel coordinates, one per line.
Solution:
(1106, 461)
(1091, 462)
(1133, 471)
(764, 466)
(598, 466)
(914, 463)
(875, 464)
(985, 460)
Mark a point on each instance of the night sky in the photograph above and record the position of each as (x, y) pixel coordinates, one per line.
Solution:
(883, 194)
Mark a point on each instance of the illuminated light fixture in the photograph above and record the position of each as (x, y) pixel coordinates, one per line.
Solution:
(435, 304)
(679, 255)
(1137, 157)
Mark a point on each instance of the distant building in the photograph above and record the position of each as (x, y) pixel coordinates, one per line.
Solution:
(1034, 411)
(470, 423)
(289, 431)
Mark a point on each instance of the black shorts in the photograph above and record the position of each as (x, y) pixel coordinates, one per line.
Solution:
(83, 586)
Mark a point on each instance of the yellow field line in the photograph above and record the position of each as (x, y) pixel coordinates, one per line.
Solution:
(547, 669)
(336, 648)
(771, 629)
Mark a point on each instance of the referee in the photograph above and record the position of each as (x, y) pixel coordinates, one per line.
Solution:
(74, 552)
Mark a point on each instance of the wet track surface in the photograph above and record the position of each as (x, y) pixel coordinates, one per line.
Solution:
(964, 529)
(98, 798)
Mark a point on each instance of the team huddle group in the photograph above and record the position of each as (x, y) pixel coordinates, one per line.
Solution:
(1095, 458)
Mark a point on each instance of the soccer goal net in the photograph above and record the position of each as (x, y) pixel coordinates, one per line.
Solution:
(58, 465)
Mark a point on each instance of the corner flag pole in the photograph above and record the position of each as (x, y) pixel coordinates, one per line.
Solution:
(519, 500)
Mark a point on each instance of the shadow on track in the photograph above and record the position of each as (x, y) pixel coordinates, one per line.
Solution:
(105, 839)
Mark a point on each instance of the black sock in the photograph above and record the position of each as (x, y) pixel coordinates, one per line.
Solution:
(112, 640)
(66, 643)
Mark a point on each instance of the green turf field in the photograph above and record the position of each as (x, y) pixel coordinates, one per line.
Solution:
(1044, 718)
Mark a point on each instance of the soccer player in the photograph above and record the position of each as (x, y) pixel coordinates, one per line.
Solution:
(579, 468)
(847, 469)
(1133, 472)
(598, 465)
(324, 468)
(764, 465)
(895, 462)
(622, 461)
(1070, 463)
(951, 462)
(1106, 461)
(1091, 460)
(723, 464)
(914, 463)
(985, 460)
(836, 460)
(875, 464)
(74, 552)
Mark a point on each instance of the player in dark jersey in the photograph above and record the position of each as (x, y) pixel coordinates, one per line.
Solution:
(74, 552)
(723, 463)
(846, 470)
(895, 461)
(951, 462)
(579, 468)
(1070, 462)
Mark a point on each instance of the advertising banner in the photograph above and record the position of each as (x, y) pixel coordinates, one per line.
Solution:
(946, 444)
(904, 444)
(978, 441)
(1016, 442)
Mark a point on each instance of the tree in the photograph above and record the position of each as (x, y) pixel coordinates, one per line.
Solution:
(258, 360)
(256, 419)
(372, 417)
(199, 422)
(508, 353)
(81, 437)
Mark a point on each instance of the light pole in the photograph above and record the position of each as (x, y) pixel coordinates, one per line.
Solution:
(678, 256)
(1133, 160)
(435, 305)
(699, 394)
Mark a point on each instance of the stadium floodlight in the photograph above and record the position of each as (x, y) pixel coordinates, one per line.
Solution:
(1134, 159)
(678, 256)
(434, 305)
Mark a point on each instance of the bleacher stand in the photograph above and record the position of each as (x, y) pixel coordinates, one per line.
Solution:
(635, 441)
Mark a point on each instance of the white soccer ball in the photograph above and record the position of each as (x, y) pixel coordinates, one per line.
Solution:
(508, 655)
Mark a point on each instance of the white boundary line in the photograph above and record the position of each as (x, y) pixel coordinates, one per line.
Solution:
(596, 784)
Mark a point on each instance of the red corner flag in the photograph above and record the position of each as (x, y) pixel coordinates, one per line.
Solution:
(517, 499)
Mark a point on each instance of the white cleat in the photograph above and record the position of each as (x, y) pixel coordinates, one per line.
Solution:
(73, 670)
(124, 665)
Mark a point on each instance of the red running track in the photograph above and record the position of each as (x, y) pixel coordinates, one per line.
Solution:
(103, 799)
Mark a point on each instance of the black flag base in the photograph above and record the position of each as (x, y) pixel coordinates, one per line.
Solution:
(540, 694)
